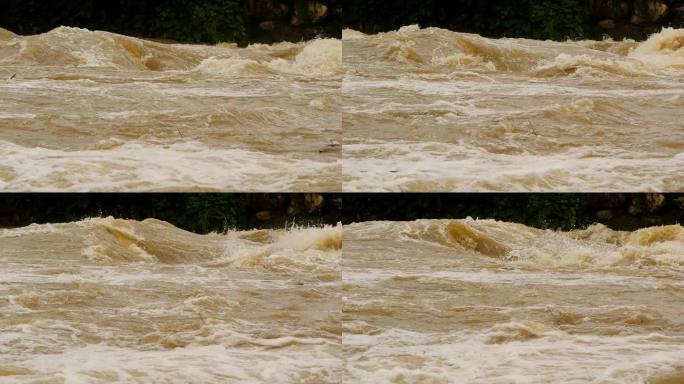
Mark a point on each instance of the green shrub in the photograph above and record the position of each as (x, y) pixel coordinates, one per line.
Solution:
(207, 21)
(200, 213)
(538, 19)
(554, 211)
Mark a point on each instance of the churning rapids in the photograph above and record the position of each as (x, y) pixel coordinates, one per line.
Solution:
(435, 110)
(481, 301)
(430, 301)
(115, 301)
(82, 110)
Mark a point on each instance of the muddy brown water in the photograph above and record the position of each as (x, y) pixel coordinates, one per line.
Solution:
(115, 301)
(431, 301)
(435, 110)
(96, 111)
(408, 110)
(480, 301)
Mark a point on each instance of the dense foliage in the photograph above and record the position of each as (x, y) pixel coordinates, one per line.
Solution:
(183, 20)
(201, 213)
(539, 19)
(204, 213)
(565, 211)
(555, 211)
(196, 212)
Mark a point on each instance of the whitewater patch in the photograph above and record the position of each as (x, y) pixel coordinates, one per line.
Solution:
(663, 49)
(147, 302)
(493, 302)
(453, 111)
(139, 166)
(311, 249)
(317, 58)
(426, 166)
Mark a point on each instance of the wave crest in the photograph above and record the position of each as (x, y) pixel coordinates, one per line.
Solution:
(439, 50)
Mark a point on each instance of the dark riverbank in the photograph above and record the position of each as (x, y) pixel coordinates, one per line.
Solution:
(204, 213)
(205, 21)
(269, 21)
(619, 211)
(197, 212)
(537, 19)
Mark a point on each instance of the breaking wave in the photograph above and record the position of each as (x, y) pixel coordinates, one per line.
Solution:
(594, 247)
(66, 46)
(434, 49)
(113, 300)
(109, 240)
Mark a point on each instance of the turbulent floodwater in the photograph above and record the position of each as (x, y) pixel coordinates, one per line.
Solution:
(432, 301)
(480, 301)
(416, 110)
(82, 110)
(115, 301)
(430, 109)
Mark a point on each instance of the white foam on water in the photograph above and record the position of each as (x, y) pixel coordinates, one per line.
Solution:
(139, 166)
(350, 34)
(433, 85)
(451, 87)
(174, 318)
(517, 352)
(519, 278)
(310, 249)
(320, 57)
(611, 316)
(663, 49)
(427, 166)
(206, 364)
(233, 66)
(29, 230)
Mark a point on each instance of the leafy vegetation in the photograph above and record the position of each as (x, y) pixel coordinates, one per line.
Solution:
(201, 21)
(211, 21)
(196, 212)
(555, 211)
(208, 21)
(200, 213)
(564, 211)
(538, 19)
